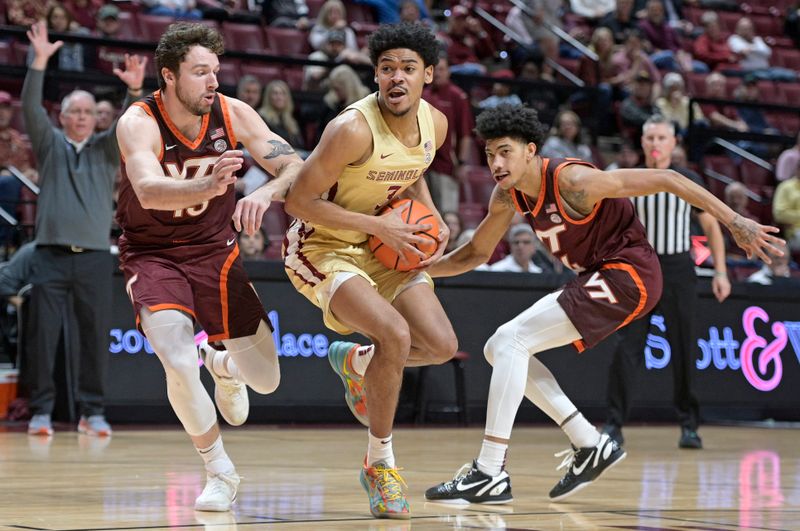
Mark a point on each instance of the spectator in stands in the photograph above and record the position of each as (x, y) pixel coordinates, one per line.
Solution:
(15, 150)
(627, 157)
(603, 74)
(736, 198)
(719, 115)
(501, 92)
(456, 225)
(277, 110)
(788, 162)
(412, 11)
(252, 247)
(70, 56)
(620, 21)
(180, 9)
(336, 51)
(754, 53)
(521, 240)
(458, 144)
(637, 108)
(345, 87)
(84, 12)
(674, 103)
(468, 43)
(776, 273)
(73, 222)
(665, 41)
(106, 114)
(631, 60)
(540, 96)
(753, 116)
(791, 22)
(786, 209)
(26, 12)
(286, 14)
(711, 47)
(533, 27)
(565, 139)
(108, 26)
(548, 46)
(388, 11)
(249, 90)
(592, 9)
(332, 17)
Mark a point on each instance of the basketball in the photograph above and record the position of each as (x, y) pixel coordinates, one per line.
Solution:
(413, 213)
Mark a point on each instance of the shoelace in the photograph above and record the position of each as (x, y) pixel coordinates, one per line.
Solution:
(462, 473)
(391, 482)
(219, 486)
(569, 457)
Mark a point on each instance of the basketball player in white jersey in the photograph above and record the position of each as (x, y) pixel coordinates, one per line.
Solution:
(376, 150)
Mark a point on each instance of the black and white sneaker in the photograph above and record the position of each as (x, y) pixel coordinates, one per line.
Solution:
(584, 465)
(470, 485)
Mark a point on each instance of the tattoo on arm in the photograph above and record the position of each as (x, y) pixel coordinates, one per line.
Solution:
(279, 148)
(743, 231)
(504, 197)
(577, 200)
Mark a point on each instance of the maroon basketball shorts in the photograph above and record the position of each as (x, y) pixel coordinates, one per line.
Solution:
(600, 301)
(211, 286)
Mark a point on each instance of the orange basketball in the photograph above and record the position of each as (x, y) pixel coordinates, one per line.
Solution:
(413, 212)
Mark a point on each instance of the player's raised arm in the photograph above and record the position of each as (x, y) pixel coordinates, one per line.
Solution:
(583, 187)
(272, 153)
(346, 140)
(140, 146)
(483, 242)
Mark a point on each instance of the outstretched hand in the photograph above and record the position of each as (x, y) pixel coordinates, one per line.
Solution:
(250, 210)
(133, 75)
(42, 47)
(756, 239)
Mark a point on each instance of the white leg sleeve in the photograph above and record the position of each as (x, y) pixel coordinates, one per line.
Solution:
(255, 359)
(511, 351)
(171, 334)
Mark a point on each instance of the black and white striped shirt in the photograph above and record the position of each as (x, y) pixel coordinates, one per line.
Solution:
(666, 218)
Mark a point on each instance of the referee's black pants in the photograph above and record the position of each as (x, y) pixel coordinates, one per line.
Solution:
(58, 273)
(677, 306)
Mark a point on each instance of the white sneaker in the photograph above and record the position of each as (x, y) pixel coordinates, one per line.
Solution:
(219, 492)
(229, 394)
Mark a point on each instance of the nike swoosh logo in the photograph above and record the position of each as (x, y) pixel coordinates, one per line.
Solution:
(578, 470)
(461, 487)
(385, 442)
(386, 156)
(167, 148)
(230, 242)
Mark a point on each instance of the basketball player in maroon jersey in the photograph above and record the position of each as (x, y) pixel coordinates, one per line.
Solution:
(178, 248)
(585, 218)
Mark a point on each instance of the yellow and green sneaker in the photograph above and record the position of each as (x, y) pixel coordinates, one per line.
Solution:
(340, 354)
(385, 487)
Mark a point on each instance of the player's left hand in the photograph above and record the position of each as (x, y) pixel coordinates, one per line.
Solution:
(721, 287)
(756, 239)
(444, 236)
(133, 75)
(250, 210)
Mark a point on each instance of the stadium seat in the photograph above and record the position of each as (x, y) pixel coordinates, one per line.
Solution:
(696, 83)
(264, 73)
(768, 92)
(360, 12)
(767, 26)
(294, 77)
(476, 184)
(6, 53)
(229, 72)
(17, 120)
(276, 220)
(421, 406)
(243, 37)
(152, 26)
(787, 58)
(20, 50)
(753, 175)
(728, 20)
(723, 165)
(128, 26)
(790, 93)
(287, 41)
(471, 213)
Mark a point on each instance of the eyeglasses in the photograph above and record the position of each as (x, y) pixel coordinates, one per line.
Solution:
(521, 242)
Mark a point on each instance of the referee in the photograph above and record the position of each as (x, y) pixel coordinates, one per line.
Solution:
(667, 221)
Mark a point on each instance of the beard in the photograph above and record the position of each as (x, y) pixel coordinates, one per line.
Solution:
(198, 108)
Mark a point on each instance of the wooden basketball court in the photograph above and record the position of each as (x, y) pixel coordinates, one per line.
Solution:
(307, 479)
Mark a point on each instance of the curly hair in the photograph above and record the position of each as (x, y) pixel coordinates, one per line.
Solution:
(175, 43)
(411, 35)
(515, 121)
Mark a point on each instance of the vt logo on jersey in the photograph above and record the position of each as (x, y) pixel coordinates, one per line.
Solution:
(192, 169)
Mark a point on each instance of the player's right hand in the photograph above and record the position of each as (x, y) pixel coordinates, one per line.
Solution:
(399, 235)
(223, 174)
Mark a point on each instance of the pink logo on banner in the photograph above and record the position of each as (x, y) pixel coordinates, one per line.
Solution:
(771, 353)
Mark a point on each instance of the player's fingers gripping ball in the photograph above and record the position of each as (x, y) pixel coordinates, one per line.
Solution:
(414, 213)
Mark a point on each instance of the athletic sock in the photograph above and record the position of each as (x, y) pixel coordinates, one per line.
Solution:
(361, 359)
(380, 449)
(581, 434)
(492, 458)
(215, 458)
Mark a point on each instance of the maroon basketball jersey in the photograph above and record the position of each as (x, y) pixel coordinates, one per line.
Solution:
(610, 232)
(181, 158)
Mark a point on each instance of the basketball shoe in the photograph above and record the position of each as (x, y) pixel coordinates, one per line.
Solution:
(384, 487)
(40, 425)
(584, 465)
(470, 485)
(219, 492)
(229, 394)
(340, 356)
(95, 425)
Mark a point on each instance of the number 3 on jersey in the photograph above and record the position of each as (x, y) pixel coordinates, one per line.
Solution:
(200, 167)
(597, 288)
